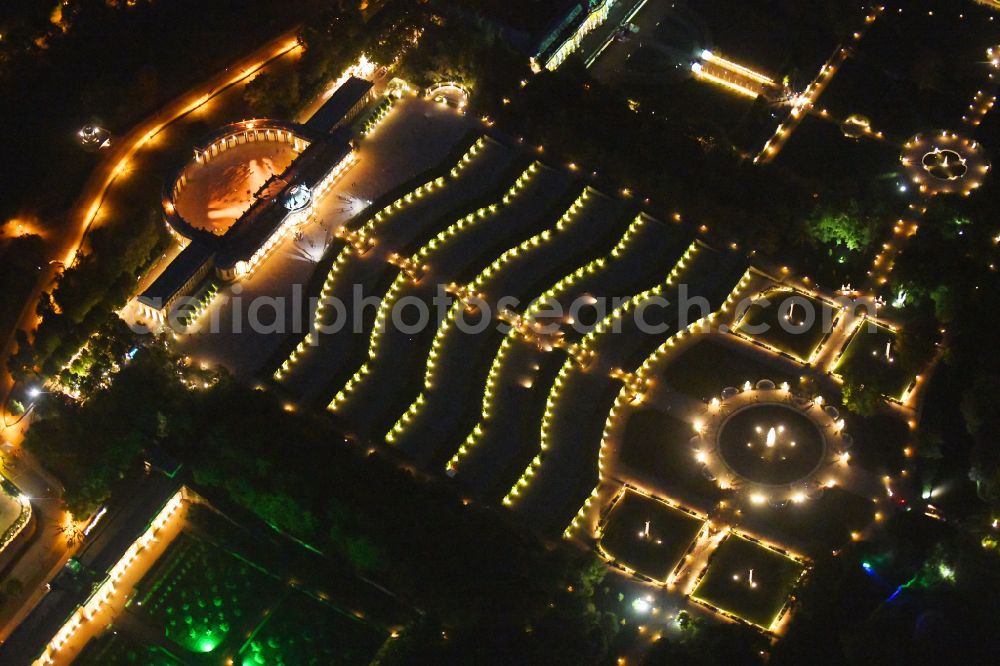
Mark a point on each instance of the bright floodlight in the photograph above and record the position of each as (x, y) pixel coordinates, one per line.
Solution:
(640, 605)
(34, 392)
(706, 54)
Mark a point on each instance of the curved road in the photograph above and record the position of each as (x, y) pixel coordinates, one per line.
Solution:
(70, 238)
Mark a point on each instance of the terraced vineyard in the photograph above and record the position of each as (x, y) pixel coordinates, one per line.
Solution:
(535, 284)
(382, 388)
(362, 270)
(507, 437)
(444, 412)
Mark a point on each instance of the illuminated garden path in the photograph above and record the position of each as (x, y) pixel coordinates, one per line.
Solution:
(805, 102)
(552, 488)
(507, 436)
(375, 396)
(414, 216)
(445, 410)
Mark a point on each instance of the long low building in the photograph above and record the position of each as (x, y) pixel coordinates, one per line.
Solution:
(180, 278)
(323, 151)
(343, 107)
(547, 32)
(81, 588)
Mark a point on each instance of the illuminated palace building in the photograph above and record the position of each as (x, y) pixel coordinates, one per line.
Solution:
(547, 32)
(249, 185)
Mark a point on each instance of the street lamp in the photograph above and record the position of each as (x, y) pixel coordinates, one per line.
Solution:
(642, 605)
(34, 392)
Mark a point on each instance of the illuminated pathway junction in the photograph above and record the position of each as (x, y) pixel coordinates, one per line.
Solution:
(803, 103)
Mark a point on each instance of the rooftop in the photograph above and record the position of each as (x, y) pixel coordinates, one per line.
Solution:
(335, 108)
(180, 270)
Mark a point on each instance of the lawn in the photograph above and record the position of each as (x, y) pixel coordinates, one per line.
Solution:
(843, 158)
(868, 345)
(201, 595)
(710, 365)
(305, 632)
(463, 355)
(656, 553)
(512, 437)
(789, 321)
(727, 583)
(657, 445)
(815, 526)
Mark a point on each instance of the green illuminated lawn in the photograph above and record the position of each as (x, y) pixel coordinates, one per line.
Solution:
(868, 346)
(726, 585)
(201, 595)
(767, 320)
(671, 531)
(306, 632)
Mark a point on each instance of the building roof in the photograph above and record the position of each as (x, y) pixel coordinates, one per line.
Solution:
(180, 270)
(126, 521)
(343, 100)
(30, 637)
(312, 166)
